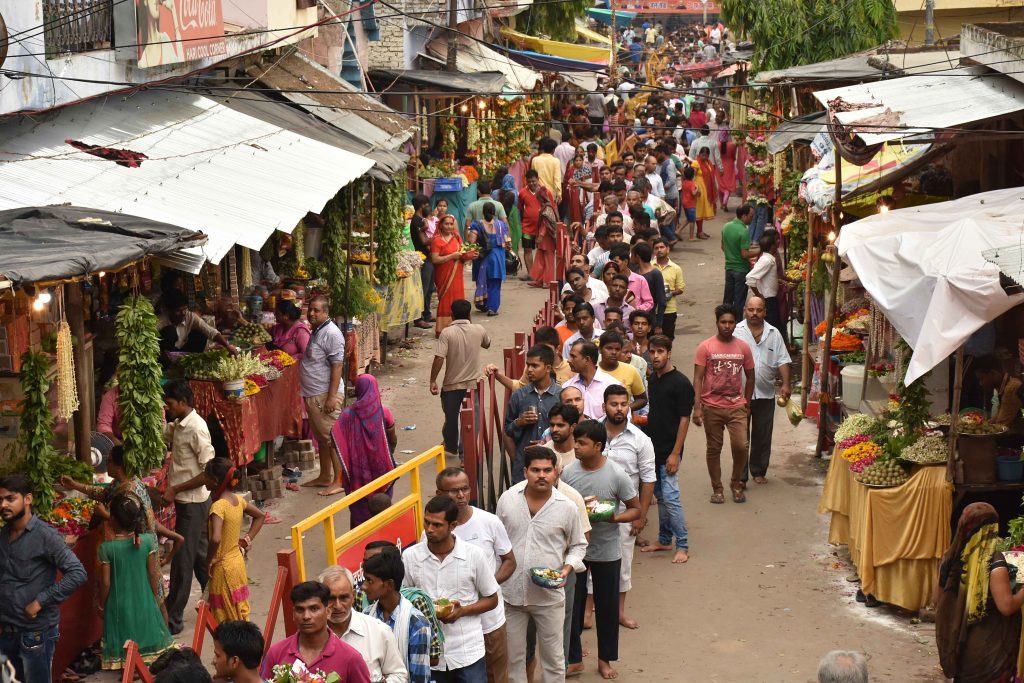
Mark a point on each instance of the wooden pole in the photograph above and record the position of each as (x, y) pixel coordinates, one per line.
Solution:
(74, 310)
(954, 427)
(807, 366)
(830, 312)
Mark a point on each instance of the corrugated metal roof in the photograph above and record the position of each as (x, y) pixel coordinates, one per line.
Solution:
(913, 105)
(357, 113)
(209, 168)
(852, 67)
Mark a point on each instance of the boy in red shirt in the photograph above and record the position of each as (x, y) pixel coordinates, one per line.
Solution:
(690, 194)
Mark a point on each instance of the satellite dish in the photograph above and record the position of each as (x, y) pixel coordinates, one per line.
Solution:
(99, 451)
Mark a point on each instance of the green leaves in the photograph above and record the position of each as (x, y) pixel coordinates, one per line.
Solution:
(553, 18)
(389, 229)
(35, 439)
(140, 395)
(788, 33)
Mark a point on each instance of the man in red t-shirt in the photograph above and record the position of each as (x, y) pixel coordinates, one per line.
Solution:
(723, 380)
(530, 204)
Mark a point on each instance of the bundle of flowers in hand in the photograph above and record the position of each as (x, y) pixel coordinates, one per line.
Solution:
(298, 673)
(861, 455)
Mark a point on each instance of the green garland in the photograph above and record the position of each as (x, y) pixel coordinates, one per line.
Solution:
(389, 229)
(36, 438)
(361, 300)
(140, 396)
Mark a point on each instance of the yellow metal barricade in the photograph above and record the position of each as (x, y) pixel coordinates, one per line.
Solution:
(336, 545)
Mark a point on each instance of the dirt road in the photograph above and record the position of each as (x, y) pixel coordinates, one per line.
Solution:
(763, 596)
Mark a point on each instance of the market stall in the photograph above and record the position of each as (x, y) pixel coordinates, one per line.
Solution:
(60, 268)
(896, 536)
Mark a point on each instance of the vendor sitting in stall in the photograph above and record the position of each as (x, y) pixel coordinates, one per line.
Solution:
(182, 330)
(1007, 389)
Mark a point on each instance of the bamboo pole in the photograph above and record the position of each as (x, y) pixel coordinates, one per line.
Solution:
(825, 400)
(954, 427)
(807, 367)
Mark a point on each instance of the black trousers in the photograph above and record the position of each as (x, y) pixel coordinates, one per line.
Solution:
(668, 325)
(191, 521)
(451, 404)
(773, 316)
(735, 291)
(427, 279)
(606, 611)
(761, 422)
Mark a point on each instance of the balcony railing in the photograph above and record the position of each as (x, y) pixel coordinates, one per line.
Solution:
(77, 26)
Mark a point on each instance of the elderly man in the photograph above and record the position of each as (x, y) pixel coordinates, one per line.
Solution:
(771, 360)
(323, 390)
(370, 637)
(843, 667)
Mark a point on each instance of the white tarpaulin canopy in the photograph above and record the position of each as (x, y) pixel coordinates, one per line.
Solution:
(925, 269)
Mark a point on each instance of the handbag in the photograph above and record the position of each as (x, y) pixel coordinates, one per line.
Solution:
(512, 263)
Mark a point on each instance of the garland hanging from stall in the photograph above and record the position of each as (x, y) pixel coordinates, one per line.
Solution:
(140, 396)
(35, 439)
(389, 229)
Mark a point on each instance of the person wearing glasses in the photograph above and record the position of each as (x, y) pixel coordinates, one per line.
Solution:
(485, 531)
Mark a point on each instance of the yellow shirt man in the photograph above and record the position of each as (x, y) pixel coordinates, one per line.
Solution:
(673, 276)
(630, 378)
(549, 172)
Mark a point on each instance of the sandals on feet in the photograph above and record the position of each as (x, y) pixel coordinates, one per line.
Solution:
(717, 497)
(738, 496)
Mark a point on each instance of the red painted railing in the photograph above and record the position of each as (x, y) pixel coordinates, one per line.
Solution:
(487, 451)
(134, 666)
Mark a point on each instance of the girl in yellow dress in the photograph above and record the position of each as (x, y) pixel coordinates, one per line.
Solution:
(707, 180)
(229, 583)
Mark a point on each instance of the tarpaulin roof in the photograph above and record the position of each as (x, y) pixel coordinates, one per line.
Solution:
(622, 19)
(474, 58)
(799, 129)
(925, 267)
(584, 53)
(484, 83)
(43, 244)
(549, 63)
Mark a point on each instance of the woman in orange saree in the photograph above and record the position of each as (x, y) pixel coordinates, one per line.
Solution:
(446, 255)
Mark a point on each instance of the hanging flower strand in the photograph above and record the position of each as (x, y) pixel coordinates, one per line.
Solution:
(67, 390)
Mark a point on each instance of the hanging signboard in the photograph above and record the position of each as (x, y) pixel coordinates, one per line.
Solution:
(164, 32)
(692, 7)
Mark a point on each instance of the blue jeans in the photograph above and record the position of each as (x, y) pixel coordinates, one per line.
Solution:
(671, 522)
(474, 673)
(762, 220)
(735, 293)
(31, 652)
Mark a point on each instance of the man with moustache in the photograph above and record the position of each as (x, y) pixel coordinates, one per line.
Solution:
(31, 554)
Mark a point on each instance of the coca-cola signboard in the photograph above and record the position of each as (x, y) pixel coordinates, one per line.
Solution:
(174, 31)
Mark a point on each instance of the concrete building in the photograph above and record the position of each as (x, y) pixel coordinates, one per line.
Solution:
(64, 51)
(950, 15)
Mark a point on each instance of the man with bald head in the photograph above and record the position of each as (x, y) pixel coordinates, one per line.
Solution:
(572, 396)
(771, 361)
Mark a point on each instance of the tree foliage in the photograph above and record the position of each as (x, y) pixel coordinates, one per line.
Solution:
(789, 33)
(553, 18)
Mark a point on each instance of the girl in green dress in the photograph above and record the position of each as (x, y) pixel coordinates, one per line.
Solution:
(129, 586)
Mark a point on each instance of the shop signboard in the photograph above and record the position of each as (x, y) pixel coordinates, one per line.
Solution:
(165, 32)
(691, 7)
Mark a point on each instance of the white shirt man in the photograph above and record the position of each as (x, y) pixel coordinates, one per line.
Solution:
(657, 184)
(764, 276)
(598, 290)
(550, 537)
(464, 575)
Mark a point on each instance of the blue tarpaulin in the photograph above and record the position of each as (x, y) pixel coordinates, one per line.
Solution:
(622, 19)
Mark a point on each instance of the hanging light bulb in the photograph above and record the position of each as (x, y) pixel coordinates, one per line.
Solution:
(38, 305)
(464, 108)
(482, 104)
(44, 297)
(883, 209)
(102, 273)
(831, 236)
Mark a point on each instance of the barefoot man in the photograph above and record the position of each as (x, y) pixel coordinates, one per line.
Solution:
(671, 400)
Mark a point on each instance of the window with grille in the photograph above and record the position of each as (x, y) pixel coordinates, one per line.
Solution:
(77, 26)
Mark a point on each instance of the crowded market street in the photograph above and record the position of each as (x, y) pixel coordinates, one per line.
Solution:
(763, 596)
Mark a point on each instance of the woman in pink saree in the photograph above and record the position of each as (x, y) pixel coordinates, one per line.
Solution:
(364, 439)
